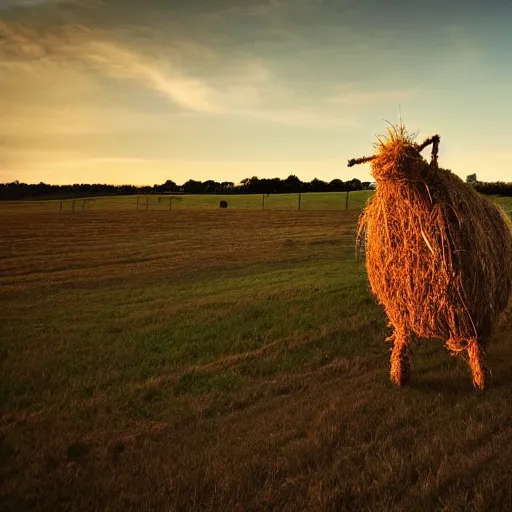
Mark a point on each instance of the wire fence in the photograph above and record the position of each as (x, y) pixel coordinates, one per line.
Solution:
(141, 203)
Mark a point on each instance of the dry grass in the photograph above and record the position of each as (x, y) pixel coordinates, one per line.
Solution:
(225, 361)
(439, 255)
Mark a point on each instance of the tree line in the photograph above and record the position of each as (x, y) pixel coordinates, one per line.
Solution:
(292, 184)
(18, 191)
(496, 188)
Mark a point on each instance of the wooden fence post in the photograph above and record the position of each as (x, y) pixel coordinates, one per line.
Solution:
(346, 200)
(73, 206)
(83, 205)
(60, 209)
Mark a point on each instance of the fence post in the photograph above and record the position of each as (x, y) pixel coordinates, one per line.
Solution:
(300, 198)
(346, 200)
(60, 209)
(262, 201)
(73, 206)
(83, 205)
(170, 203)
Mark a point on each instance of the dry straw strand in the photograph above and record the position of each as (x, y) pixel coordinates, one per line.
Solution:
(438, 255)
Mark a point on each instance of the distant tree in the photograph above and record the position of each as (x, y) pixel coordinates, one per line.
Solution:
(251, 185)
(471, 179)
(274, 186)
(211, 187)
(170, 186)
(337, 185)
(226, 186)
(319, 185)
(354, 184)
(266, 186)
(292, 184)
(193, 187)
(496, 188)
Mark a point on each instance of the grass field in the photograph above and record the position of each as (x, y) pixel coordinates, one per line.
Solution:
(212, 359)
(309, 201)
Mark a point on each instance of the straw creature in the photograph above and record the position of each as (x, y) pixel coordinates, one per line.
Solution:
(438, 255)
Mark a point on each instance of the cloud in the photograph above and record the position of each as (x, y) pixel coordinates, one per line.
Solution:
(261, 8)
(185, 91)
(20, 45)
(5, 4)
(242, 91)
(25, 43)
(189, 92)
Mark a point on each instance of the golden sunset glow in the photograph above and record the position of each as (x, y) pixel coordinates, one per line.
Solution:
(110, 91)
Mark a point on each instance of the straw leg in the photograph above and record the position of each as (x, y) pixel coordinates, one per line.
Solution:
(476, 362)
(400, 363)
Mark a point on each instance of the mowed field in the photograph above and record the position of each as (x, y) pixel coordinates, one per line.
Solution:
(211, 359)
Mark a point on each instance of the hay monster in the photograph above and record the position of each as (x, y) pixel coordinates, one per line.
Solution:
(438, 255)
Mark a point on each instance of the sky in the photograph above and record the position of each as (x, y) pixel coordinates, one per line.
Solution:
(139, 92)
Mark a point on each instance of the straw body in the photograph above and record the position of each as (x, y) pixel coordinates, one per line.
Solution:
(438, 255)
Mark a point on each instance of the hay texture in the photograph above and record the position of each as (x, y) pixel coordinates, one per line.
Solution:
(438, 255)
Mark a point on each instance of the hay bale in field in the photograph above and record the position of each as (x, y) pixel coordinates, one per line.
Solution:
(438, 255)
(223, 204)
